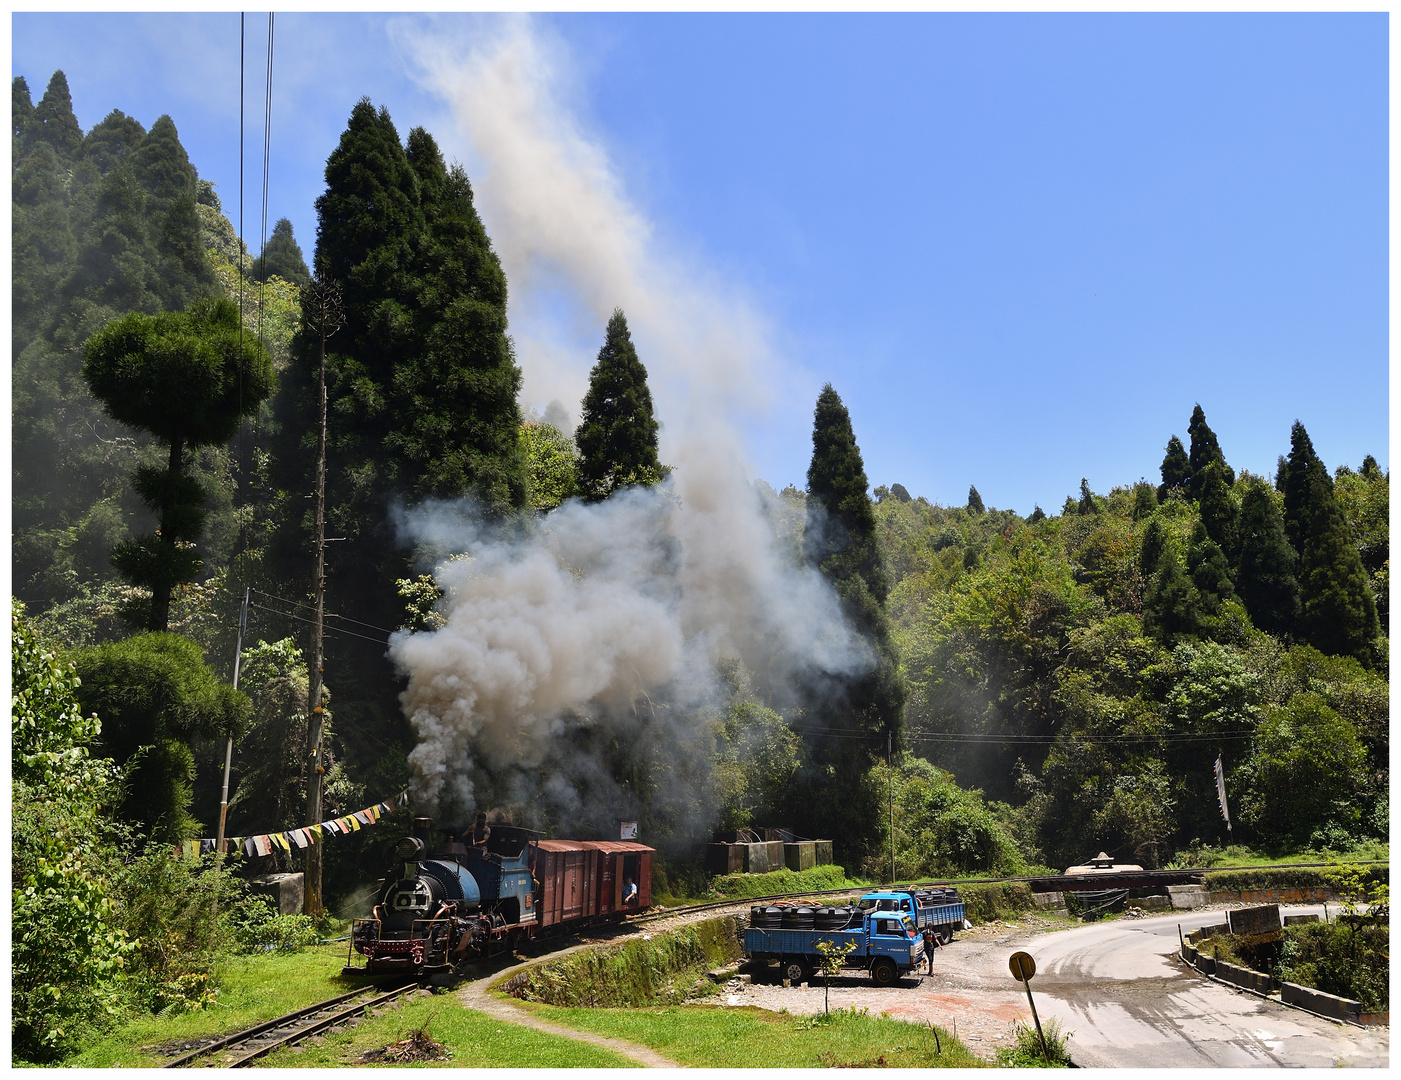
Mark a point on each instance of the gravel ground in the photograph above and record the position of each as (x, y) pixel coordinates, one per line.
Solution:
(981, 1009)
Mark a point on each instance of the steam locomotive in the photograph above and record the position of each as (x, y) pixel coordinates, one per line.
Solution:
(441, 907)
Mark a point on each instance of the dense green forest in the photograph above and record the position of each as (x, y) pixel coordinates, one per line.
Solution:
(1046, 686)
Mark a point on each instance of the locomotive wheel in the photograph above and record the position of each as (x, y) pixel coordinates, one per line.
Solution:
(883, 973)
(794, 971)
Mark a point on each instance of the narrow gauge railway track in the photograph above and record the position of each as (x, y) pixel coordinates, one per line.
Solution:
(244, 1047)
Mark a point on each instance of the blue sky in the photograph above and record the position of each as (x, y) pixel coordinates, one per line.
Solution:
(1021, 247)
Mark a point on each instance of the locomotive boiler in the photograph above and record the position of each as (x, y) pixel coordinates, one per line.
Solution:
(447, 904)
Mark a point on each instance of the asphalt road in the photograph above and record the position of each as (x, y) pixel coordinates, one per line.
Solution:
(1128, 1004)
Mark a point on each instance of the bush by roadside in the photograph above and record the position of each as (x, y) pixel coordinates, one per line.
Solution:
(1303, 877)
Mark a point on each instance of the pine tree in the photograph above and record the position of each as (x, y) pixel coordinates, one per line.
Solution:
(1037, 514)
(975, 501)
(282, 256)
(1176, 469)
(189, 379)
(617, 436)
(1265, 577)
(1205, 450)
(1370, 469)
(1301, 477)
(1152, 548)
(54, 122)
(840, 539)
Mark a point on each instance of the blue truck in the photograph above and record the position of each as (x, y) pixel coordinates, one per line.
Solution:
(885, 928)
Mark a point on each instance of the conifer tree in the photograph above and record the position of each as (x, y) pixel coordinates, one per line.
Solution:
(1170, 604)
(163, 169)
(188, 378)
(1037, 514)
(112, 140)
(1339, 615)
(458, 424)
(975, 501)
(1176, 469)
(22, 118)
(1087, 499)
(1265, 577)
(617, 436)
(1217, 508)
(1205, 450)
(1145, 501)
(282, 256)
(1152, 548)
(840, 539)
(53, 119)
(1209, 570)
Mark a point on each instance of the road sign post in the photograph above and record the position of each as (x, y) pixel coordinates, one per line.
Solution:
(1023, 968)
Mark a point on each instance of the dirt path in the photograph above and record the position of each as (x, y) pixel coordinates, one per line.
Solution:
(477, 996)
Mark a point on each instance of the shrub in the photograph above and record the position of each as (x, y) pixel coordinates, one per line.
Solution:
(1026, 1054)
(1302, 877)
(1346, 959)
(259, 928)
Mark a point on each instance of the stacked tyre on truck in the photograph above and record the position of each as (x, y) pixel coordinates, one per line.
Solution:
(886, 929)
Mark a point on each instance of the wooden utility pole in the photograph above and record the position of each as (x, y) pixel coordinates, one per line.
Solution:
(326, 310)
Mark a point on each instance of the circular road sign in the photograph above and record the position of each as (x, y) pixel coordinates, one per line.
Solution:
(1022, 965)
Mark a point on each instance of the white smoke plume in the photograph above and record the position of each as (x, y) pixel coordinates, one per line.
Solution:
(604, 625)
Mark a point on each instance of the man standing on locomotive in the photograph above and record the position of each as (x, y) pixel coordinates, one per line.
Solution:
(481, 831)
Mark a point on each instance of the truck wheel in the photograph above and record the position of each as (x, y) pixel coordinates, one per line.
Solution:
(945, 935)
(793, 971)
(883, 973)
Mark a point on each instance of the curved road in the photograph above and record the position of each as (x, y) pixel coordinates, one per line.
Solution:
(1129, 1004)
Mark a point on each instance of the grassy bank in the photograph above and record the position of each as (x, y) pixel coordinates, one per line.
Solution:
(708, 1037)
(1339, 878)
(782, 883)
(251, 989)
(1347, 959)
(660, 968)
(1241, 855)
(472, 1039)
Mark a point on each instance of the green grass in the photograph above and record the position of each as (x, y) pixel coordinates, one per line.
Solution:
(701, 1036)
(475, 1041)
(1241, 855)
(782, 883)
(251, 989)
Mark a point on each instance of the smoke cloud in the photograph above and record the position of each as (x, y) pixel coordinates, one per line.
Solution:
(600, 633)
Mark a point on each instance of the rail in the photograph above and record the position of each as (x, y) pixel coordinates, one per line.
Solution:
(262, 1039)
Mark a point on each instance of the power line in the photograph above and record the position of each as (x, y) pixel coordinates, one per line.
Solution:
(329, 615)
(312, 622)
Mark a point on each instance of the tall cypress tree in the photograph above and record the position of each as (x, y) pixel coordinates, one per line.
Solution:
(617, 434)
(1265, 577)
(1176, 469)
(1218, 510)
(53, 119)
(840, 539)
(1338, 614)
(281, 256)
(1209, 570)
(975, 501)
(458, 425)
(1205, 450)
(22, 118)
(163, 169)
(1087, 503)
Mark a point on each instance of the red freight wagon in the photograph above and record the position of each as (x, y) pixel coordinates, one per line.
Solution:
(568, 874)
(622, 860)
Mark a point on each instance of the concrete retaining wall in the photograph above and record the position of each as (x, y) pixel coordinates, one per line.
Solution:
(1274, 896)
(1240, 976)
(1317, 1001)
(1049, 901)
(1188, 897)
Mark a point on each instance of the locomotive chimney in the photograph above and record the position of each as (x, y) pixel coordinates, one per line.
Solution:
(423, 829)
